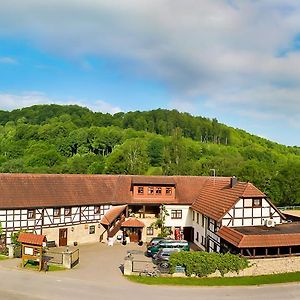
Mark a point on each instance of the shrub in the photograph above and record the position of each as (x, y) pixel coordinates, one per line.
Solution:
(202, 263)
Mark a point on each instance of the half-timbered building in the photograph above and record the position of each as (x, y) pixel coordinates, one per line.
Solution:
(212, 212)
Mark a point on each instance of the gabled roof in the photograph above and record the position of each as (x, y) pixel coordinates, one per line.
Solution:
(56, 190)
(252, 191)
(52, 190)
(133, 222)
(281, 235)
(112, 214)
(217, 196)
(31, 238)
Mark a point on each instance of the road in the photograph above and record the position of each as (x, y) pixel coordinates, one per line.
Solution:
(15, 284)
(98, 276)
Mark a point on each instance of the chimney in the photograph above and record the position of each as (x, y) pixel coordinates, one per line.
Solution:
(233, 181)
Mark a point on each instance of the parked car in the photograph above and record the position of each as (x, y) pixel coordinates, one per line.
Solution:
(170, 244)
(154, 241)
(162, 257)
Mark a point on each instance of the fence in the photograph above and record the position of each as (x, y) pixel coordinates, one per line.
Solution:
(68, 259)
(295, 207)
(74, 258)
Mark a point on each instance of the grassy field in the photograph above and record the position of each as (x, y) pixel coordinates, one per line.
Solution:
(247, 280)
(2, 257)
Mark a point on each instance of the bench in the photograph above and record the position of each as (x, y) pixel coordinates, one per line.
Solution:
(50, 244)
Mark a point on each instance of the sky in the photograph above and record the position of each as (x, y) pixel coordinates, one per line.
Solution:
(237, 61)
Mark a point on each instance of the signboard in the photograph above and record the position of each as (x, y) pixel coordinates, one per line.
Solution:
(28, 251)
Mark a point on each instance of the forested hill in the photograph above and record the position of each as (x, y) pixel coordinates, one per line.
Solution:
(72, 139)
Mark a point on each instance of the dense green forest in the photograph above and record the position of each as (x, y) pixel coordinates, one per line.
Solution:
(72, 139)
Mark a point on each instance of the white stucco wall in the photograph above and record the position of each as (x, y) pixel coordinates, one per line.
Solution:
(185, 221)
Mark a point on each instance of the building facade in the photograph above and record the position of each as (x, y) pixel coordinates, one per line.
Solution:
(72, 209)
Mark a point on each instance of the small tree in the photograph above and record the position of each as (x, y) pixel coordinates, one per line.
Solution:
(160, 222)
(17, 245)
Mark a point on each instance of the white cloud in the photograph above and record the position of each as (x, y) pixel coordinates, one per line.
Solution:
(8, 60)
(102, 106)
(223, 51)
(25, 99)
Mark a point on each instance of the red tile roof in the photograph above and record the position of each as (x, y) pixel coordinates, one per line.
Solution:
(31, 238)
(217, 196)
(133, 222)
(153, 180)
(262, 236)
(210, 196)
(112, 214)
(55, 190)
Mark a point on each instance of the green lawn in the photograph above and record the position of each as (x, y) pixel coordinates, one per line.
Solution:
(35, 266)
(2, 257)
(225, 281)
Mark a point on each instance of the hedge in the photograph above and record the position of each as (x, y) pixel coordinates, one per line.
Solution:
(202, 263)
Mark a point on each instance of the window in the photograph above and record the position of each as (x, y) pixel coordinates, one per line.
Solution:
(67, 211)
(203, 241)
(150, 231)
(215, 247)
(197, 236)
(197, 218)
(31, 214)
(92, 229)
(203, 221)
(140, 190)
(176, 214)
(56, 212)
(158, 191)
(256, 203)
(193, 216)
(168, 191)
(97, 210)
(150, 190)
(215, 226)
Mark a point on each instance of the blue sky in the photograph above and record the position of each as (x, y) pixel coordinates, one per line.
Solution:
(238, 61)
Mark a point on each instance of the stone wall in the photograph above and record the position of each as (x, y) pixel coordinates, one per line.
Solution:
(267, 266)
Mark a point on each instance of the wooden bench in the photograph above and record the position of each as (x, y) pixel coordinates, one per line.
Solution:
(50, 244)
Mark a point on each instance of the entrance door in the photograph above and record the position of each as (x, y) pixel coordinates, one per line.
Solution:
(135, 235)
(63, 236)
(188, 233)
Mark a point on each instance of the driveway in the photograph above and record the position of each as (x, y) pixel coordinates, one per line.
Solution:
(98, 276)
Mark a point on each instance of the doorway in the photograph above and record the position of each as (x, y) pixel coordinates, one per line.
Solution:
(63, 236)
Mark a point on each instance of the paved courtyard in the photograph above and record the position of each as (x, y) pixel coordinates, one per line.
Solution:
(99, 276)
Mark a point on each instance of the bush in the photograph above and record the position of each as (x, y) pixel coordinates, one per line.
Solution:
(202, 263)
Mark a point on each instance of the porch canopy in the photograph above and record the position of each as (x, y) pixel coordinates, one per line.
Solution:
(112, 214)
(262, 240)
(133, 222)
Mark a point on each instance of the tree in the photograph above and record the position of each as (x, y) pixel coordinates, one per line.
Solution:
(161, 221)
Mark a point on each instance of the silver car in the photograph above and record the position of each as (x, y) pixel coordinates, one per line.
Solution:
(161, 258)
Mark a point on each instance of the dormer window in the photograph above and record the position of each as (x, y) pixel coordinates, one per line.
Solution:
(158, 191)
(140, 190)
(169, 191)
(150, 190)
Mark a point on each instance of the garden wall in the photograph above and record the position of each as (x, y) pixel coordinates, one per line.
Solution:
(267, 266)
